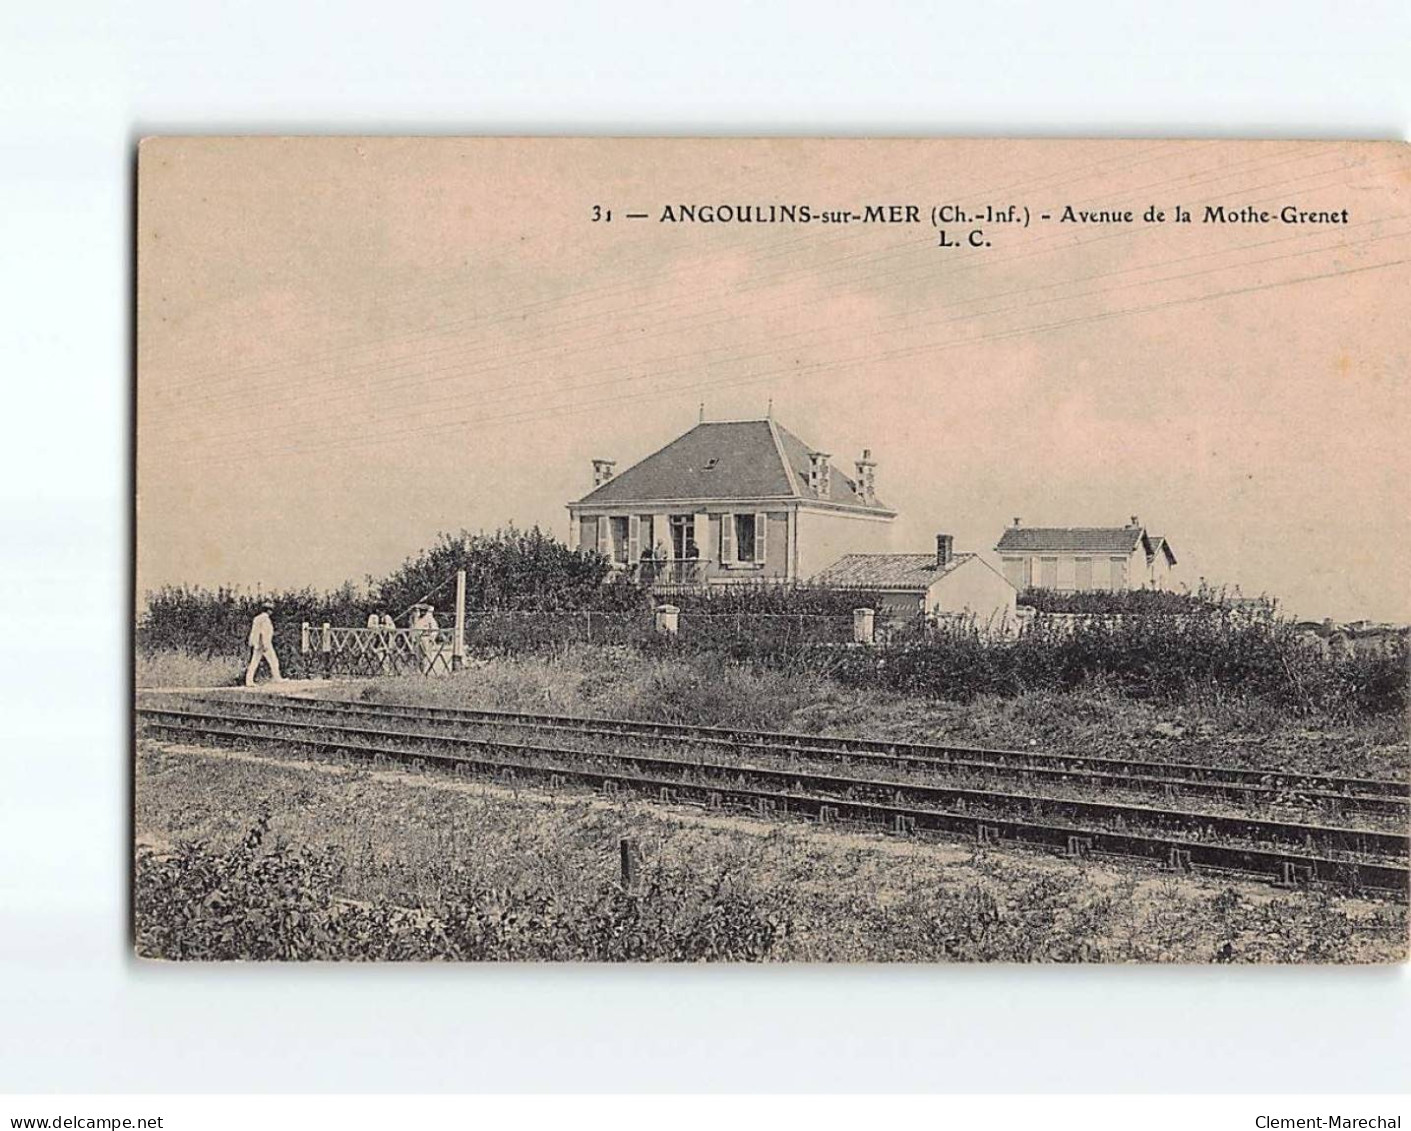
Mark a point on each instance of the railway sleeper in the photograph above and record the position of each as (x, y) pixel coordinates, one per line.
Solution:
(1201, 826)
(1382, 876)
(1299, 790)
(1351, 786)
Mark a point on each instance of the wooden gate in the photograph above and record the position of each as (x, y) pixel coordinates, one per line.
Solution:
(387, 651)
(381, 651)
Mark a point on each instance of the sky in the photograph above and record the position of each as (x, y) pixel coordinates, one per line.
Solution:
(348, 345)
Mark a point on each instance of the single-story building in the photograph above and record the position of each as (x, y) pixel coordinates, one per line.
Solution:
(1079, 559)
(939, 586)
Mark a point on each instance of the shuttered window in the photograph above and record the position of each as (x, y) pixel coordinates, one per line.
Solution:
(700, 536)
(1082, 574)
(620, 528)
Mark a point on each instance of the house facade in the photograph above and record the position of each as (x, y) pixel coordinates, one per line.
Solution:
(938, 586)
(1076, 559)
(730, 501)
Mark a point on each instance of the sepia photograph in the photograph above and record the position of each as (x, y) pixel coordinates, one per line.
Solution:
(771, 551)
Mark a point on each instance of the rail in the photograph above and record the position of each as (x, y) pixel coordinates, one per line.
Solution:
(1284, 851)
(1171, 780)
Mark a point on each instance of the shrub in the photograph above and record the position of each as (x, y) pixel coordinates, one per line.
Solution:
(1141, 601)
(1219, 655)
(509, 570)
(769, 598)
(262, 900)
(252, 901)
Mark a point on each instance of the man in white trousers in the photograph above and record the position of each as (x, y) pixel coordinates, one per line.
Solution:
(262, 646)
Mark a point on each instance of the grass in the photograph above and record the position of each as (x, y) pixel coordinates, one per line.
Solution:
(1092, 720)
(177, 667)
(251, 855)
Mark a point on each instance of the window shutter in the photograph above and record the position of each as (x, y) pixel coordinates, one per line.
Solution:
(634, 539)
(605, 535)
(727, 537)
(701, 533)
(761, 527)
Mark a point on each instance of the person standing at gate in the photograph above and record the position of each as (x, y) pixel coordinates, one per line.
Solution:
(427, 629)
(377, 642)
(262, 646)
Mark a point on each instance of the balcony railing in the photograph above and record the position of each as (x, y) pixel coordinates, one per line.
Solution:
(668, 571)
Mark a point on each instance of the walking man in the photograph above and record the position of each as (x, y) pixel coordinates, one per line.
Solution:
(262, 646)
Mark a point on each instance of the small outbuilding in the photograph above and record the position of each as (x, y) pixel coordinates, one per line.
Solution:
(939, 586)
(1082, 559)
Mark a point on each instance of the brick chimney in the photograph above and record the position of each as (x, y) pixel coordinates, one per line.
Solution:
(1134, 523)
(820, 479)
(1016, 521)
(603, 471)
(867, 477)
(943, 550)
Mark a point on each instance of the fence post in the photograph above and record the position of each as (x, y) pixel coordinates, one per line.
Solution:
(326, 647)
(304, 638)
(667, 619)
(862, 625)
(458, 640)
(627, 852)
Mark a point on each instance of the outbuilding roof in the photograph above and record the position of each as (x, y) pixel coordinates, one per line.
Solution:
(904, 572)
(1090, 539)
(1160, 545)
(735, 459)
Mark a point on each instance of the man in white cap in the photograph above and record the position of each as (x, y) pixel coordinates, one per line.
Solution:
(262, 645)
(428, 630)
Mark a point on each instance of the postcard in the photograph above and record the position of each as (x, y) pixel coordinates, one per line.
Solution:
(772, 550)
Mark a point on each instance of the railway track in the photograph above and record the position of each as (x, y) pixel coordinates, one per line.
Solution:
(1331, 795)
(1287, 852)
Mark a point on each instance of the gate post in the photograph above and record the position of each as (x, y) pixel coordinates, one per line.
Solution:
(862, 624)
(304, 639)
(667, 619)
(458, 640)
(326, 647)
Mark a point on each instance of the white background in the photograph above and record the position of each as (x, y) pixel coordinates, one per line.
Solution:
(79, 82)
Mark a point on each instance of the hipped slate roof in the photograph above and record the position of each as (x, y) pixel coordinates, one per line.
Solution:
(1090, 539)
(906, 572)
(738, 459)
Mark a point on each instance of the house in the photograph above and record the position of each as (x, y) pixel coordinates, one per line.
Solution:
(939, 585)
(731, 501)
(1080, 558)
